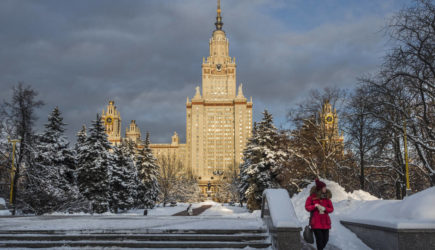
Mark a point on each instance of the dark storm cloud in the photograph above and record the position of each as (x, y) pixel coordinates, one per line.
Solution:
(146, 55)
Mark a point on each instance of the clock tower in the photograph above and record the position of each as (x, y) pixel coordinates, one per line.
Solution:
(329, 124)
(218, 120)
(219, 69)
(112, 123)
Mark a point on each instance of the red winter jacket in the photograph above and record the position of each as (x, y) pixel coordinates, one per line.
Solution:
(319, 221)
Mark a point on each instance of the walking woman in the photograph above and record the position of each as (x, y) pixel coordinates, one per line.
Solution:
(320, 206)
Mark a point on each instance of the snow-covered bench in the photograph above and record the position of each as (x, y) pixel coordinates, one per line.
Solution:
(278, 213)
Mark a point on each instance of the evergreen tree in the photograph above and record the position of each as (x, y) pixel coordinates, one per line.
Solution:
(54, 134)
(263, 161)
(80, 147)
(96, 162)
(148, 172)
(248, 158)
(122, 181)
(81, 138)
(51, 184)
(134, 181)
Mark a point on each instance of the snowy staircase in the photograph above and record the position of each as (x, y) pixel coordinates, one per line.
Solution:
(167, 239)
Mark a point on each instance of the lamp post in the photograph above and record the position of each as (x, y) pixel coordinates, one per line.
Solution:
(405, 144)
(218, 173)
(14, 142)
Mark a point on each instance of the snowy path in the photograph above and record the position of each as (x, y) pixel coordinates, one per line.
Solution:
(195, 211)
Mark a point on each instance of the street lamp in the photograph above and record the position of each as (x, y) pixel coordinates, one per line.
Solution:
(405, 144)
(218, 173)
(13, 141)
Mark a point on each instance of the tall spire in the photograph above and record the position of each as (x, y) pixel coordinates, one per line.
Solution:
(219, 22)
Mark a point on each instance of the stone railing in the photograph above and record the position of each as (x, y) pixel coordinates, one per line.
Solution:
(278, 213)
(392, 236)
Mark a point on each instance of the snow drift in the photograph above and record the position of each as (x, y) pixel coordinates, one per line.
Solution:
(415, 211)
(344, 203)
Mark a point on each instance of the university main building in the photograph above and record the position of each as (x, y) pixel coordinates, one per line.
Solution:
(218, 118)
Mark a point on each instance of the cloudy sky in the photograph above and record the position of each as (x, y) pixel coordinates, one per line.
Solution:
(146, 55)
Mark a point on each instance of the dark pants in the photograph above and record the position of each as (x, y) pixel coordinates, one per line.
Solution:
(322, 237)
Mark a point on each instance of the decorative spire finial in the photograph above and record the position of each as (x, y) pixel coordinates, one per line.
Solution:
(197, 93)
(240, 92)
(219, 22)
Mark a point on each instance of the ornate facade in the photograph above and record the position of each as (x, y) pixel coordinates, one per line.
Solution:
(218, 118)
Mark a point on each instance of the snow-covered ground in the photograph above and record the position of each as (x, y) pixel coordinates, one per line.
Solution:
(225, 210)
(416, 210)
(4, 212)
(217, 209)
(160, 210)
(159, 218)
(156, 211)
(134, 222)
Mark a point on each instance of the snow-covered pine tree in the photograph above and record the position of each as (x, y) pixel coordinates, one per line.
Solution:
(139, 161)
(248, 158)
(51, 183)
(96, 162)
(264, 161)
(122, 183)
(148, 171)
(134, 182)
(64, 155)
(81, 137)
(80, 147)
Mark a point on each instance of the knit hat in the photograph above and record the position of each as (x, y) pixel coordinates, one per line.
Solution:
(319, 184)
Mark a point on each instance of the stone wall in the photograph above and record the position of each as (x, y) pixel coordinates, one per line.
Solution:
(386, 238)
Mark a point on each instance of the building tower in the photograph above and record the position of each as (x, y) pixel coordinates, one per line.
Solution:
(112, 122)
(132, 132)
(218, 121)
(329, 124)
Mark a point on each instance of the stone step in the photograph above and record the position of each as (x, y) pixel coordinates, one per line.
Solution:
(129, 238)
(136, 237)
(136, 231)
(133, 244)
